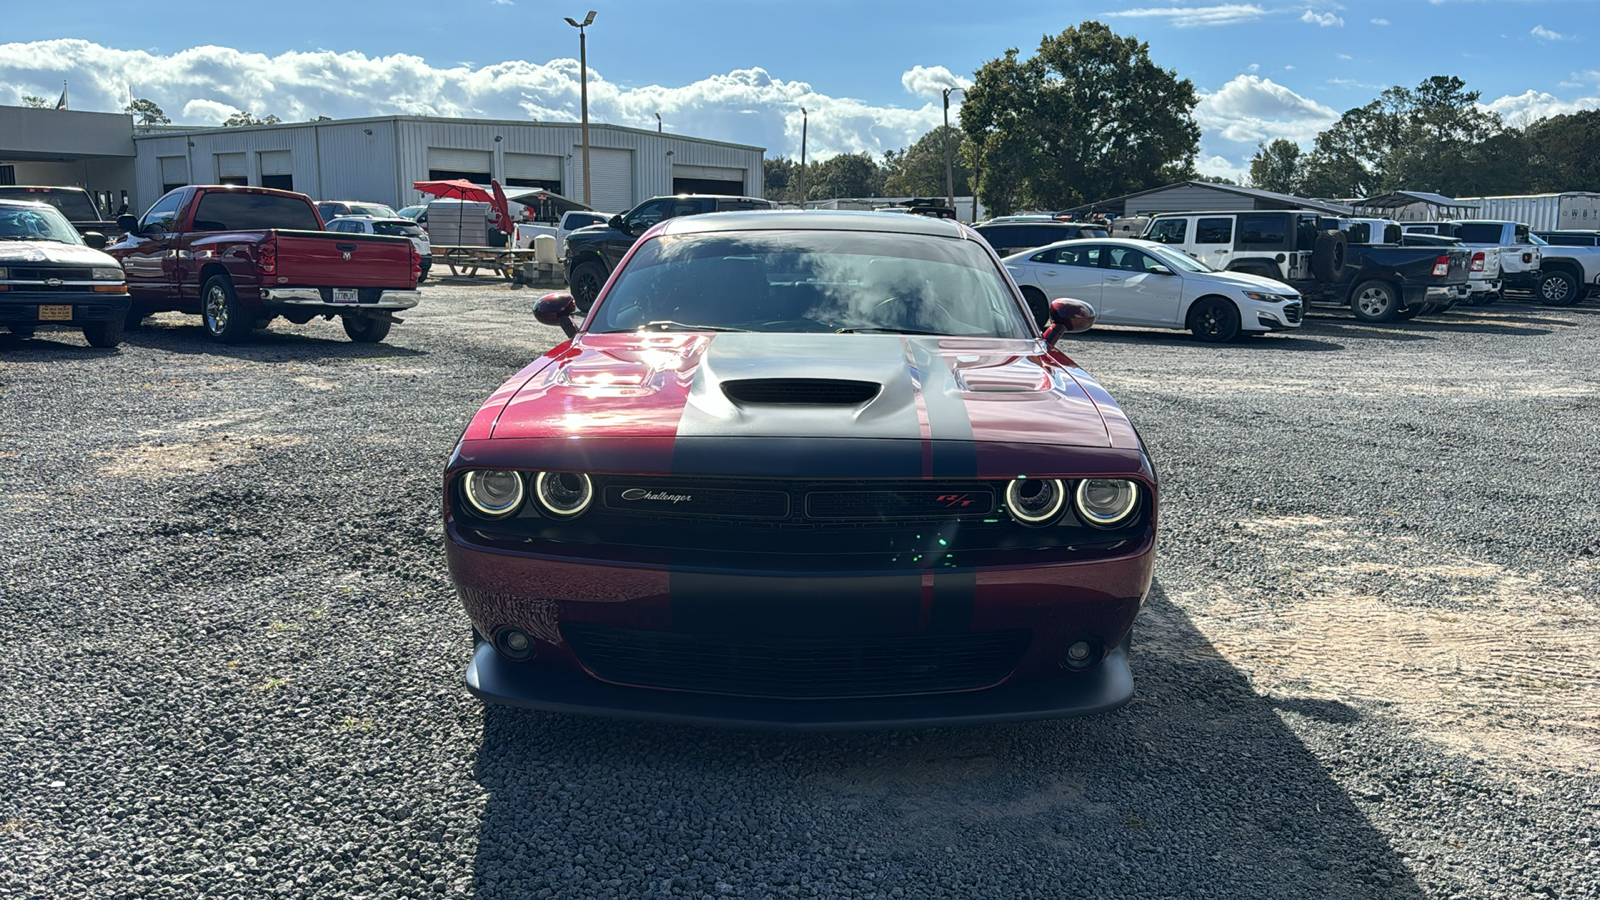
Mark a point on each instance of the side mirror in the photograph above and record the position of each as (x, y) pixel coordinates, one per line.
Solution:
(558, 309)
(1160, 270)
(95, 240)
(127, 224)
(1068, 316)
(617, 223)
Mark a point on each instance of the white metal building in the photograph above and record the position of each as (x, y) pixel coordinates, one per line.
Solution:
(1542, 212)
(377, 159)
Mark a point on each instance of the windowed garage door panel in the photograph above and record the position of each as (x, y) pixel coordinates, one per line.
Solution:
(613, 178)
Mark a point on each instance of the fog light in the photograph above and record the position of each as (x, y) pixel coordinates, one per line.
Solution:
(515, 644)
(1079, 655)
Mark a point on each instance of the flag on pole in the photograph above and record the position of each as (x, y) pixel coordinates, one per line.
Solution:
(62, 103)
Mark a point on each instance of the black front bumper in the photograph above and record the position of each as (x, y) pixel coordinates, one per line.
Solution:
(24, 308)
(1104, 688)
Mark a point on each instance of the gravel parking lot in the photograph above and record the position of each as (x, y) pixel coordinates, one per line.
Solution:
(231, 660)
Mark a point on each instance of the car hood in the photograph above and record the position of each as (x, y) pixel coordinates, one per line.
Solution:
(52, 252)
(1246, 281)
(929, 389)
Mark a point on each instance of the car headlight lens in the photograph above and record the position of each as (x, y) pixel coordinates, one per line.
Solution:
(563, 494)
(1035, 501)
(107, 274)
(4, 274)
(493, 492)
(1266, 298)
(1106, 502)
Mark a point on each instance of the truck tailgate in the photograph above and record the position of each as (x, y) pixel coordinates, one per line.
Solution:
(321, 259)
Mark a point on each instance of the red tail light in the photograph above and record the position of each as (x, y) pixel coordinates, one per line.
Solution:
(1477, 262)
(1441, 267)
(1527, 257)
(267, 257)
(416, 265)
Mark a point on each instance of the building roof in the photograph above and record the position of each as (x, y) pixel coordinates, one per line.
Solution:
(1283, 201)
(176, 130)
(1397, 199)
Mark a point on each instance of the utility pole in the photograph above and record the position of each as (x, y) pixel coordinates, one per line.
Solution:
(949, 165)
(802, 157)
(583, 82)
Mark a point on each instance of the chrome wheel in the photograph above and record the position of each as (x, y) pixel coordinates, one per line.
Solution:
(216, 310)
(1556, 290)
(1373, 301)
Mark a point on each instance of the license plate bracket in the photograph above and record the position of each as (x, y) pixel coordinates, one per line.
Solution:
(55, 313)
(346, 295)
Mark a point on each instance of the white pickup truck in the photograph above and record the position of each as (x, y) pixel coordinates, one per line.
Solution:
(1521, 254)
(1571, 270)
(571, 221)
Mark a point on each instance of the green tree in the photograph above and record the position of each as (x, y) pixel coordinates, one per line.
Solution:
(146, 112)
(780, 179)
(1088, 116)
(243, 118)
(918, 170)
(1562, 152)
(845, 175)
(1276, 167)
(35, 102)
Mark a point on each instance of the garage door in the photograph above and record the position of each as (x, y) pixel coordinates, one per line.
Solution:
(174, 172)
(473, 165)
(533, 166)
(231, 169)
(707, 180)
(613, 178)
(277, 169)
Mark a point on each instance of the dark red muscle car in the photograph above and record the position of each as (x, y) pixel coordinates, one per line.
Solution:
(804, 470)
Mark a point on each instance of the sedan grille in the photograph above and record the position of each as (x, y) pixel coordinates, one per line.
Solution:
(1291, 312)
(810, 669)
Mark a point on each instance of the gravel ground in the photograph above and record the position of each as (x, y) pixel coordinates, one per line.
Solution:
(230, 659)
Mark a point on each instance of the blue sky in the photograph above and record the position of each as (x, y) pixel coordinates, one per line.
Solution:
(869, 72)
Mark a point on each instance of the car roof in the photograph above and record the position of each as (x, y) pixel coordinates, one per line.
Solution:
(812, 220)
(25, 204)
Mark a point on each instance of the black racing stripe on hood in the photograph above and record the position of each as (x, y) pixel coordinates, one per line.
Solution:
(949, 427)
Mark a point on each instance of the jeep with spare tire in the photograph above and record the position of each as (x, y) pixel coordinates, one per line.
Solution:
(1313, 253)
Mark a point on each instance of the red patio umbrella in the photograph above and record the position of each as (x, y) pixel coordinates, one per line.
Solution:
(459, 188)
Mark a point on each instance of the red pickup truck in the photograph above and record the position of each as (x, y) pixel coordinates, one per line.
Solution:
(240, 256)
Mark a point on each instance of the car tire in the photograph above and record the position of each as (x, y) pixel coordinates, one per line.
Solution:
(105, 335)
(587, 280)
(1375, 301)
(365, 329)
(1408, 313)
(1038, 305)
(23, 331)
(1214, 320)
(1329, 254)
(225, 318)
(1559, 288)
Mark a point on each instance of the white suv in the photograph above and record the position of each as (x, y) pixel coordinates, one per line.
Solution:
(396, 227)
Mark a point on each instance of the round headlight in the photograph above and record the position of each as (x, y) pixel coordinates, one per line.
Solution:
(493, 492)
(1106, 502)
(1035, 501)
(563, 494)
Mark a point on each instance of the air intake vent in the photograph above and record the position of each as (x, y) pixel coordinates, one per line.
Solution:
(810, 391)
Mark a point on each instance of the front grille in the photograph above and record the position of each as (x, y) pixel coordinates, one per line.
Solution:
(696, 500)
(810, 669)
(898, 504)
(810, 391)
(1291, 312)
(64, 273)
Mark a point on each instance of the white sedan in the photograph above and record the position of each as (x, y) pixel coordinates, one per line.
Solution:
(1133, 282)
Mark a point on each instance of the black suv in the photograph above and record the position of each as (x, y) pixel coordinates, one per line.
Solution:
(591, 253)
(1014, 237)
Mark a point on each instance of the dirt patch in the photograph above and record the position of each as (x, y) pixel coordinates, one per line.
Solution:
(173, 459)
(1506, 666)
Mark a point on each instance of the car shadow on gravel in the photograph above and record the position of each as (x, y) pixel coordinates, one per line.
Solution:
(193, 340)
(1296, 342)
(1197, 788)
(1419, 329)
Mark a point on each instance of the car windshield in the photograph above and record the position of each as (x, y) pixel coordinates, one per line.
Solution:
(1538, 241)
(812, 281)
(1177, 259)
(398, 229)
(375, 210)
(74, 204)
(36, 223)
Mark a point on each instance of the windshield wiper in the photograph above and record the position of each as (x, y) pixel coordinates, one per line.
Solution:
(669, 325)
(871, 329)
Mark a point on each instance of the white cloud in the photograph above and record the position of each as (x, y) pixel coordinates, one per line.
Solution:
(1528, 107)
(1251, 108)
(1326, 20)
(930, 81)
(203, 85)
(1194, 16)
(1254, 67)
(1345, 56)
(1545, 34)
(1238, 170)
(1380, 21)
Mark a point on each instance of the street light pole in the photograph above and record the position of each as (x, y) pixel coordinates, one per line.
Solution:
(803, 122)
(658, 123)
(583, 81)
(949, 166)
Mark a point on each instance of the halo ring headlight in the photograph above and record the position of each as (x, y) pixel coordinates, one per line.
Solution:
(1106, 502)
(493, 492)
(563, 494)
(1035, 501)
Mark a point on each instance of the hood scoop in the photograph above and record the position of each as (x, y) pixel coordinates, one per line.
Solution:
(800, 391)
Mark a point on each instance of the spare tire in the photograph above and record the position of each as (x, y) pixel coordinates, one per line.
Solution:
(1329, 255)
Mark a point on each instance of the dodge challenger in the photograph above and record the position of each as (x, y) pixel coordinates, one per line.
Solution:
(803, 470)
